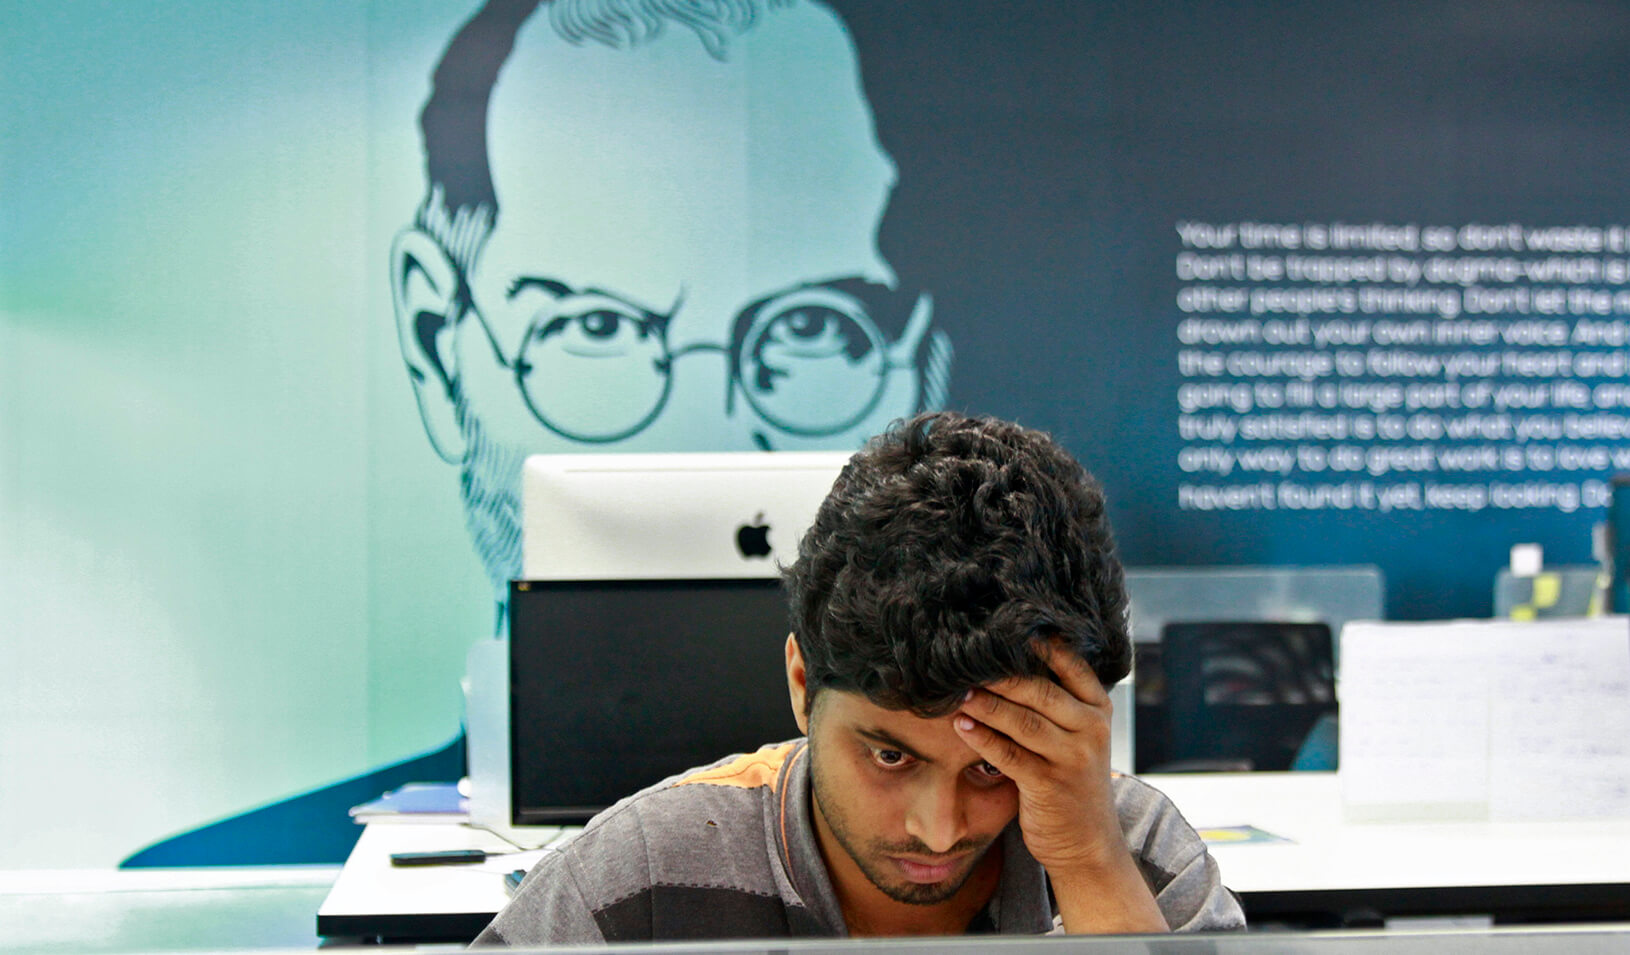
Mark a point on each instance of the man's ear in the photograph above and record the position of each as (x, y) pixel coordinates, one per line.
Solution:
(797, 684)
(424, 291)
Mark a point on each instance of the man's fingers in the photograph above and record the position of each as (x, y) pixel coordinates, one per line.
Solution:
(1064, 702)
(1015, 762)
(1077, 676)
(1056, 703)
(1030, 727)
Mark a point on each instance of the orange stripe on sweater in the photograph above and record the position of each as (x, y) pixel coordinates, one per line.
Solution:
(752, 771)
(786, 848)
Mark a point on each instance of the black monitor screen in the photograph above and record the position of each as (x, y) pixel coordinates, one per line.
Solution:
(615, 685)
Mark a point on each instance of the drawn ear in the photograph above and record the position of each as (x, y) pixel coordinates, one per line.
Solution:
(935, 357)
(928, 352)
(797, 684)
(911, 337)
(424, 291)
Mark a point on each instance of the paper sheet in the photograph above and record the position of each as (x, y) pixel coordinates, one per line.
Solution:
(1509, 721)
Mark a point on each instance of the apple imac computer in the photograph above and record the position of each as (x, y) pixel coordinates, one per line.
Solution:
(657, 516)
(645, 577)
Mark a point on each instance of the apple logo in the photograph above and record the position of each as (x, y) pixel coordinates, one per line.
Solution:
(753, 540)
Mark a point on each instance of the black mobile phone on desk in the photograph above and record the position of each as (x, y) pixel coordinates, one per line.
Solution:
(443, 857)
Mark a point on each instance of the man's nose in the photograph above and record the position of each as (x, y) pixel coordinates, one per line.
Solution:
(936, 817)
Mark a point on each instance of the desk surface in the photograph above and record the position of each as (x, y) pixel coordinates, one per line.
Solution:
(1330, 853)
(374, 899)
(1555, 870)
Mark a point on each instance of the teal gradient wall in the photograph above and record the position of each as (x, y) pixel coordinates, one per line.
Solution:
(231, 568)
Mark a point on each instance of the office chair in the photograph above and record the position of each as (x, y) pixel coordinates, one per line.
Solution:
(1244, 696)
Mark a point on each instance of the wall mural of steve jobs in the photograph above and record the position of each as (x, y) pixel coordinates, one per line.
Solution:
(648, 225)
(651, 225)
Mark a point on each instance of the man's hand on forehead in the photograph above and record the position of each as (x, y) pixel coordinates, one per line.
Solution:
(1052, 739)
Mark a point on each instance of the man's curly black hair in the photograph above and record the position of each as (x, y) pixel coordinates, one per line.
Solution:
(946, 546)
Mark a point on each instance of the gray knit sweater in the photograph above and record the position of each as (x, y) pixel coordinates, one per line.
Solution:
(729, 851)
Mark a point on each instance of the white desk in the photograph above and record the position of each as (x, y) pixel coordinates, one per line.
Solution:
(1563, 871)
(1555, 871)
(373, 899)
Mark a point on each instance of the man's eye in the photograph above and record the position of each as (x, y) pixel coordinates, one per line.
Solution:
(988, 771)
(889, 758)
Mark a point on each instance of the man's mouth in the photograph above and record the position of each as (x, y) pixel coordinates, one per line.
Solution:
(927, 873)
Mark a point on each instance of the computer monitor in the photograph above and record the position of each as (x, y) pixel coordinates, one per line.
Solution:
(616, 685)
(604, 518)
(656, 516)
(1245, 692)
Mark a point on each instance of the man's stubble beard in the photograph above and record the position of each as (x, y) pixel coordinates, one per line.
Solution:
(871, 859)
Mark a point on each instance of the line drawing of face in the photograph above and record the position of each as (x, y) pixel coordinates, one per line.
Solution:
(681, 256)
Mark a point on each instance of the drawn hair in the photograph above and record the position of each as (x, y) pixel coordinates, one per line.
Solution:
(460, 208)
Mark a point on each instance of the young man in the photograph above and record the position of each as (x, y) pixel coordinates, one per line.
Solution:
(959, 613)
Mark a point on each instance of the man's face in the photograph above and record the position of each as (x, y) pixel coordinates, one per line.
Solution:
(911, 807)
(684, 258)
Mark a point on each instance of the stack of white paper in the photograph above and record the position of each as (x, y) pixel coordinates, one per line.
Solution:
(1498, 720)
